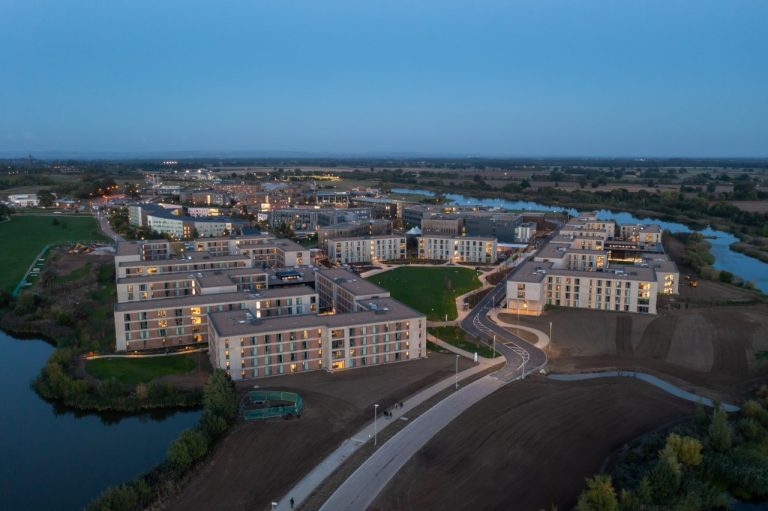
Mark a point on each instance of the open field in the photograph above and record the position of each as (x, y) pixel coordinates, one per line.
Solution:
(528, 446)
(432, 291)
(753, 206)
(140, 370)
(25, 235)
(710, 347)
(457, 337)
(259, 461)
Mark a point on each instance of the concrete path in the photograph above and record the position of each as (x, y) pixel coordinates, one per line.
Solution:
(145, 355)
(362, 487)
(311, 481)
(648, 378)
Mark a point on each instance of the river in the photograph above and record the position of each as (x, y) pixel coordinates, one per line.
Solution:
(53, 460)
(737, 263)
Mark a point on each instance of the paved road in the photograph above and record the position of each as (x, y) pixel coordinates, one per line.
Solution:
(362, 487)
(522, 356)
(106, 228)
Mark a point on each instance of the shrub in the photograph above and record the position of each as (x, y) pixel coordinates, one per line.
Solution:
(191, 445)
(599, 495)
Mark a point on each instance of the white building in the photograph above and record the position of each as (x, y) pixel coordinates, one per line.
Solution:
(458, 249)
(24, 200)
(366, 249)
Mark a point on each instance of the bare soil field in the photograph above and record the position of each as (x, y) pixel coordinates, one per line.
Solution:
(529, 445)
(259, 461)
(753, 206)
(709, 347)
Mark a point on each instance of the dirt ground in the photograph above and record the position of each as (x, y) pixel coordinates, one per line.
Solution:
(709, 348)
(528, 446)
(259, 461)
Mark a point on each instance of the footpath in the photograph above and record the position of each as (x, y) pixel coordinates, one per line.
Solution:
(304, 488)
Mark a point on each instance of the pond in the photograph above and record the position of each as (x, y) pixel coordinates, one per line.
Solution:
(51, 459)
(737, 263)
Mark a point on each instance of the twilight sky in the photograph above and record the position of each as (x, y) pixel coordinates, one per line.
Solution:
(471, 77)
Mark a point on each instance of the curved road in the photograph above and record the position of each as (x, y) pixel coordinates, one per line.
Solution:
(522, 357)
(362, 487)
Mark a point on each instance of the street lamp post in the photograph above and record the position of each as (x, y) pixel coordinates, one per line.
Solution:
(550, 337)
(494, 346)
(457, 372)
(375, 413)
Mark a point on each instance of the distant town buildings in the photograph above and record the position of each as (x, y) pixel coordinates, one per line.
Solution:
(171, 220)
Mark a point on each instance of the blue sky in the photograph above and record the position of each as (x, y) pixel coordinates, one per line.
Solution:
(514, 78)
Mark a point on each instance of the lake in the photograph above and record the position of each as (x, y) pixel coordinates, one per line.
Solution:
(53, 460)
(737, 263)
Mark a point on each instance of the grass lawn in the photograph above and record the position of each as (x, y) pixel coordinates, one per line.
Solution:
(139, 370)
(24, 236)
(432, 291)
(458, 337)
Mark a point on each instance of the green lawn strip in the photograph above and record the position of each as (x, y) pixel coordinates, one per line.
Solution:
(457, 337)
(139, 370)
(24, 236)
(432, 291)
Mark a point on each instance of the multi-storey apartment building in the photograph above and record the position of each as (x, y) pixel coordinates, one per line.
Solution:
(306, 219)
(368, 328)
(458, 249)
(377, 227)
(174, 223)
(575, 269)
(366, 249)
(257, 322)
(182, 321)
(641, 233)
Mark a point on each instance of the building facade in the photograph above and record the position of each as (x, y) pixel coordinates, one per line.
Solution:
(458, 249)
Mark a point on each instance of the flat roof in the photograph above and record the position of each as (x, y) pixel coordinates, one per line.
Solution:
(214, 299)
(361, 238)
(238, 323)
(191, 274)
(535, 272)
(351, 282)
(200, 256)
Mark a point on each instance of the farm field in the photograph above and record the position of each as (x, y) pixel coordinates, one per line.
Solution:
(25, 235)
(528, 446)
(432, 291)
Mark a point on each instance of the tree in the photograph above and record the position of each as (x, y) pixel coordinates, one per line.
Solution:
(188, 448)
(685, 449)
(46, 199)
(599, 495)
(720, 431)
(665, 478)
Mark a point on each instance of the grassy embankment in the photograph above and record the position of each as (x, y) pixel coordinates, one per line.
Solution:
(457, 337)
(432, 291)
(139, 370)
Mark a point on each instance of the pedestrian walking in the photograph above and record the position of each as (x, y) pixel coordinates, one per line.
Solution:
(291, 502)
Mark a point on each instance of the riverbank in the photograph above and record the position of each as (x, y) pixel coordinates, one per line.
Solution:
(694, 213)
